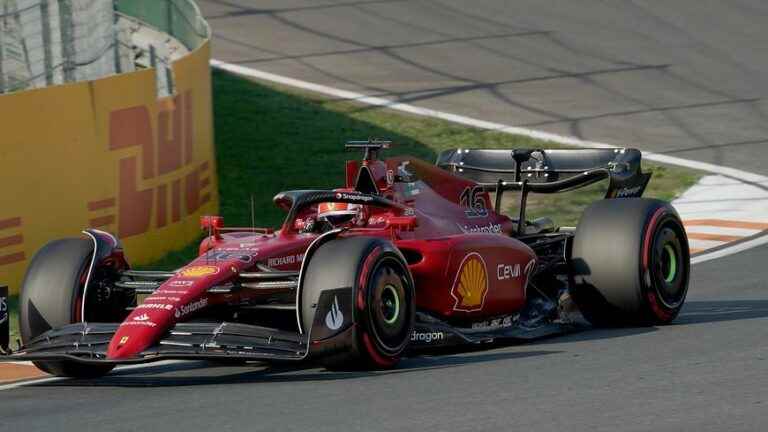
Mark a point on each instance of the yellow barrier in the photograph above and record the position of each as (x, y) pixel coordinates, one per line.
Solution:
(107, 154)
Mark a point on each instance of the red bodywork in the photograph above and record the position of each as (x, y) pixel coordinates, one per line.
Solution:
(464, 262)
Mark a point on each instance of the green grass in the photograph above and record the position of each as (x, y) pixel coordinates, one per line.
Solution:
(271, 138)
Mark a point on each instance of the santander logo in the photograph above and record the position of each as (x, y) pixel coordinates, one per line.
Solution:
(191, 307)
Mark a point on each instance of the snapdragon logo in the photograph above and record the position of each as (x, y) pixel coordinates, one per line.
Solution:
(428, 337)
(354, 197)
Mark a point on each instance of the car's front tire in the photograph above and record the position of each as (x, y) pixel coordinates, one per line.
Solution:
(382, 303)
(51, 296)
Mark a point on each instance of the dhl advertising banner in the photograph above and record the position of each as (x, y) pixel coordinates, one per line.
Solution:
(107, 154)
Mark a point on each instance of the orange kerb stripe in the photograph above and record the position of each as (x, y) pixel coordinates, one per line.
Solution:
(716, 237)
(726, 224)
(10, 372)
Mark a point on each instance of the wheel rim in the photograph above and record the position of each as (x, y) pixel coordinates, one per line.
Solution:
(388, 314)
(669, 263)
(390, 304)
(668, 273)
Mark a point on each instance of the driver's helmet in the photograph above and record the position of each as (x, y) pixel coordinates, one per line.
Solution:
(338, 213)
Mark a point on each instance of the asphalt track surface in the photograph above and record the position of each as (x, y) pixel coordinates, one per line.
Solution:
(685, 77)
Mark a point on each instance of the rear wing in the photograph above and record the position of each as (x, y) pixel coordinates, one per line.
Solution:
(547, 171)
(550, 171)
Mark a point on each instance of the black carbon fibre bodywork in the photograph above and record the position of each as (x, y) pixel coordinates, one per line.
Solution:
(87, 343)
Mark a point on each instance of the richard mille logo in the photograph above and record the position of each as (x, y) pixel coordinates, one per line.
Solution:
(334, 319)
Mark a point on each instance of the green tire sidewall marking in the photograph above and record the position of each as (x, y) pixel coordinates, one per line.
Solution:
(670, 276)
(397, 304)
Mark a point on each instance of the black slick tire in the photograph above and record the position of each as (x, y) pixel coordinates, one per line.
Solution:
(630, 262)
(384, 300)
(50, 297)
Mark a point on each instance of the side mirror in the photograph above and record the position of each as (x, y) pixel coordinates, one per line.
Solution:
(212, 224)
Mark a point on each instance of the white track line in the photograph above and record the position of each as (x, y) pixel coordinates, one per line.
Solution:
(14, 385)
(18, 384)
(482, 124)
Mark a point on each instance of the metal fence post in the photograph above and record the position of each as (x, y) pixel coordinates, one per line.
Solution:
(169, 79)
(29, 82)
(67, 39)
(45, 19)
(152, 56)
(116, 38)
(169, 16)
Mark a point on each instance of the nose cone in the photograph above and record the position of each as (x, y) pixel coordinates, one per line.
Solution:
(176, 300)
(138, 332)
(125, 345)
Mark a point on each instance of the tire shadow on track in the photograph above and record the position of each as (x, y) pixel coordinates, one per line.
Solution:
(201, 373)
(699, 312)
(694, 312)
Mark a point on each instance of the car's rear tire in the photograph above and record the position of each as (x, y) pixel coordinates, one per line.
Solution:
(631, 263)
(383, 310)
(51, 296)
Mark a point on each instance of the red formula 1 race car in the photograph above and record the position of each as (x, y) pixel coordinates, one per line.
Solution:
(408, 255)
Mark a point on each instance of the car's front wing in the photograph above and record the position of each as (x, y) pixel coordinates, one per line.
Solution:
(87, 343)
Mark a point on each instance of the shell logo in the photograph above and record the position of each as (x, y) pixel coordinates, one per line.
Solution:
(199, 271)
(471, 284)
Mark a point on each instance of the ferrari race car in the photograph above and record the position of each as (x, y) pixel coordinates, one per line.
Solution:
(406, 256)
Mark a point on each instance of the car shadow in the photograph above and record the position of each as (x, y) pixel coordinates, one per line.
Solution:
(592, 333)
(699, 312)
(195, 373)
(186, 374)
(694, 312)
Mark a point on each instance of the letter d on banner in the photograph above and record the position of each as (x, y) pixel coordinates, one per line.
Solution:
(4, 319)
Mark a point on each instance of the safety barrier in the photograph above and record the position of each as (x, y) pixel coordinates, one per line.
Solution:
(109, 154)
(47, 42)
(178, 18)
